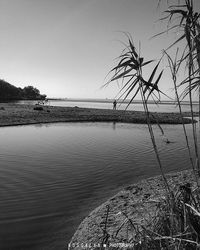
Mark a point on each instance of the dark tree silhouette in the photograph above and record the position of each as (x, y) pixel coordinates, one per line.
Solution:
(10, 92)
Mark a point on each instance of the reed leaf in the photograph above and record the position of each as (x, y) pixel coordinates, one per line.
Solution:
(153, 73)
(121, 75)
(145, 63)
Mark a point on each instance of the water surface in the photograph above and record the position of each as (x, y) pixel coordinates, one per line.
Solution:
(53, 175)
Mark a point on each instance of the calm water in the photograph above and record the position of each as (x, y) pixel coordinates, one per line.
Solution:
(53, 175)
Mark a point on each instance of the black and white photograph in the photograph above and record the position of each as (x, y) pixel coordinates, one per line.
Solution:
(99, 124)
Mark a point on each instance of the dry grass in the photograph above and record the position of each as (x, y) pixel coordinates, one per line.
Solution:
(140, 215)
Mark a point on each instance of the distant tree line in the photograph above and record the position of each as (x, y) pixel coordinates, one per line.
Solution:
(10, 92)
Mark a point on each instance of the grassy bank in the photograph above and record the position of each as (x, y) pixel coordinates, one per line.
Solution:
(17, 114)
(125, 215)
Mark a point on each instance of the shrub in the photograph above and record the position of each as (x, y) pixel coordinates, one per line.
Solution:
(39, 108)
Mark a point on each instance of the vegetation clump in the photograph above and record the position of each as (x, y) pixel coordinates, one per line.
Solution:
(39, 108)
(9, 92)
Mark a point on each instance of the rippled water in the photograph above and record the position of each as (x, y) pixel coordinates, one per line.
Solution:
(53, 175)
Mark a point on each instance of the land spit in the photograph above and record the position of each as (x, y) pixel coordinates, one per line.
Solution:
(19, 114)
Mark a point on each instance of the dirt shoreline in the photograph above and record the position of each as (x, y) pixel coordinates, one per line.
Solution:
(18, 114)
(139, 202)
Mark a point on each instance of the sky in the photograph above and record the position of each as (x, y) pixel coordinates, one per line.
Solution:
(66, 48)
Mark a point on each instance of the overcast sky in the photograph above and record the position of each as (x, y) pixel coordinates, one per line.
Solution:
(65, 48)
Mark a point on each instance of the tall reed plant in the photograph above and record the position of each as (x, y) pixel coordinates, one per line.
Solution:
(129, 71)
(183, 18)
(178, 223)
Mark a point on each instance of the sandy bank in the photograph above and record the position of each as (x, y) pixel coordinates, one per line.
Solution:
(138, 202)
(17, 114)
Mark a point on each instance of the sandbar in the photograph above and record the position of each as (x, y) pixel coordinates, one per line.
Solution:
(19, 114)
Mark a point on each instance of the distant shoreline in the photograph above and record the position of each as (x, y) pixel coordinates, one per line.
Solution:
(119, 102)
(21, 114)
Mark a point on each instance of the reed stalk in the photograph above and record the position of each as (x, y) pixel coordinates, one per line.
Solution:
(174, 68)
(129, 71)
(189, 28)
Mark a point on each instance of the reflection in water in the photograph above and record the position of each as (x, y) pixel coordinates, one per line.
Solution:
(114, 125)
(53, 175)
